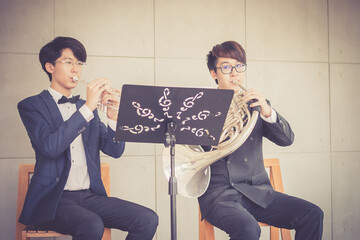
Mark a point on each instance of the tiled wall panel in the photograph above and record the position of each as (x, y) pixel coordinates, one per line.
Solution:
(189, 29)
(276, 30)
(110, 27)
(346, 198)
(17, 84)
(300, 93)
(25, 25)
(344, 32)
(183, 73)
(345, 110)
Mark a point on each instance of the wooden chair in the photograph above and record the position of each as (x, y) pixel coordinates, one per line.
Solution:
(25, 173)
(206, 230)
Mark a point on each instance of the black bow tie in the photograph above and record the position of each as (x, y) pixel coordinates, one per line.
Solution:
(73, 99)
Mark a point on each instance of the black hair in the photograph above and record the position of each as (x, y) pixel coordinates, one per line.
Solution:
(228, 49)
(53, 50)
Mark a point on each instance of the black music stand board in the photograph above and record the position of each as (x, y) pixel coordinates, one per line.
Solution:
(172, 115)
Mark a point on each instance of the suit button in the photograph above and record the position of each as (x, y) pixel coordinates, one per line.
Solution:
(245, 159)
(81, 130)
(232, 184)
(228, 162)
(251, 139)
(57, 179)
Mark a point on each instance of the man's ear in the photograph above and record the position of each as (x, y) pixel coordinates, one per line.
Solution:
(213, 74)
(49, 67)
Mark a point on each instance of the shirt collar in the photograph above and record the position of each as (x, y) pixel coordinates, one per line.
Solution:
(55, 94)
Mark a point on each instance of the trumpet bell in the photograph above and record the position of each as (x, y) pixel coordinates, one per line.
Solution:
(194, 178)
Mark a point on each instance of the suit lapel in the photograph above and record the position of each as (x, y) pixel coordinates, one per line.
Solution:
(55, 114)
(85, 133)
(52, 108)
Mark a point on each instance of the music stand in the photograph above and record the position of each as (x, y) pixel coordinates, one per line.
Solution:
(172, 115)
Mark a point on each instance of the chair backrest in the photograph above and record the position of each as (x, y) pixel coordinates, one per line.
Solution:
(25, 173)
(206, 230)
(273, 164)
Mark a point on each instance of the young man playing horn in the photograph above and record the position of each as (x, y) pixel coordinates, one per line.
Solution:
(66, 193)
(240, 194)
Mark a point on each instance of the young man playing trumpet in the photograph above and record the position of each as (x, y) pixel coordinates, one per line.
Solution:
(66, 193)
(240, 194)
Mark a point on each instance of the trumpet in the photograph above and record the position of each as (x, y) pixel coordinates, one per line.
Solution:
(103, 106)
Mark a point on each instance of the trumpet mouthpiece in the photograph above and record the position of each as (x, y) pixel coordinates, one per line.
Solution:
(75, 78)
(235, 81)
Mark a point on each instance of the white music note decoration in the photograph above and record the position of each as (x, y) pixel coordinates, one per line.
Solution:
(166, 104)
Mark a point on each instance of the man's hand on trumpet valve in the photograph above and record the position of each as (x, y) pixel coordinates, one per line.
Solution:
(259, 100)
(94, 90)
(111, 100)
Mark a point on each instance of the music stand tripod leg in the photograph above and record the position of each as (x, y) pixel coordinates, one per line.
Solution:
(170, 140)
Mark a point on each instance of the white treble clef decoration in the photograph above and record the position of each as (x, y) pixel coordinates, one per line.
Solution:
(145, 112)
(165, 102)
(189, 103)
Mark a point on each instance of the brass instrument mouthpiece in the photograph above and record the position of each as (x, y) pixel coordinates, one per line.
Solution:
(75, 78)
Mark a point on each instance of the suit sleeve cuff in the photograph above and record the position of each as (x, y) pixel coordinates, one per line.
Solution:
(272, 118)
(112, 124)
(86, 113)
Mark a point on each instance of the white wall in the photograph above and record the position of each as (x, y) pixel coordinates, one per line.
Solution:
(303, 55)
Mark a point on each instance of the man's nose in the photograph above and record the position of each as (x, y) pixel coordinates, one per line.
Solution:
(233, 71)
(75, 67)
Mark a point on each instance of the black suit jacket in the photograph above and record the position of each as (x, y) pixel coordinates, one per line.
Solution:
(51, 137)
(243, 171)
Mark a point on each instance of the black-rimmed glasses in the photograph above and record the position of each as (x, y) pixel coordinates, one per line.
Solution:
(72, 63)
(227, 69)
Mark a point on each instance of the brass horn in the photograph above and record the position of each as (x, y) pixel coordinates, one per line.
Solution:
(192, 164)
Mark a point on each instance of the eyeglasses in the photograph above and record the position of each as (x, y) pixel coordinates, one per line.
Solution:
(71, 63)
(227, 69)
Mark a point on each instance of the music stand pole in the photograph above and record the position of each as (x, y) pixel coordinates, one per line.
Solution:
(151, 114)
(170, 140)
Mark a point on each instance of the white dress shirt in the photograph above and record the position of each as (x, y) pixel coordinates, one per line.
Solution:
(78, 176)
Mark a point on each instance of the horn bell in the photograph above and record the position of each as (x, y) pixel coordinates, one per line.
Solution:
(194, 178)
(192, 164)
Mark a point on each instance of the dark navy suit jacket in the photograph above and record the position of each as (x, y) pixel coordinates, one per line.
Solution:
(243, 171)
(51, 137)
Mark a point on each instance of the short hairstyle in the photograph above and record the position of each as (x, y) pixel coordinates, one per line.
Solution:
(53, 50)
(228, 49)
